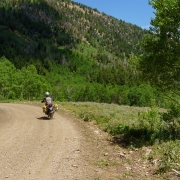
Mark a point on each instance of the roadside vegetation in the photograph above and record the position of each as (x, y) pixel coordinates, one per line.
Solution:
(137, 127)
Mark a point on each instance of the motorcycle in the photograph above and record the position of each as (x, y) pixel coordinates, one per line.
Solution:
(50, 110)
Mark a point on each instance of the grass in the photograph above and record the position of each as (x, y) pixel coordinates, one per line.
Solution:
(103, 163)
(139, 126)
(102, 113)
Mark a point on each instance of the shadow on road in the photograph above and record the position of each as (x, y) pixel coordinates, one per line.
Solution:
(43, 118)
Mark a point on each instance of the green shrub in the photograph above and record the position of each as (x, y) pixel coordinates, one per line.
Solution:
(168, 156)
(141, 95)
(171, 120)
(86, 116)
(117, 129)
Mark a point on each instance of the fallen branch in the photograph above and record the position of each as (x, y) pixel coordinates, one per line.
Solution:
(176, 171)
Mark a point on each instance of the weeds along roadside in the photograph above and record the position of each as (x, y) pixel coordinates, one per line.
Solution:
(137, 127)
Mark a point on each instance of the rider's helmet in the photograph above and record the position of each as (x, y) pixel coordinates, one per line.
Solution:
(46, 94)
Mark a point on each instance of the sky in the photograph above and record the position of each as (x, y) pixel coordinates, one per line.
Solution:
(137, 12)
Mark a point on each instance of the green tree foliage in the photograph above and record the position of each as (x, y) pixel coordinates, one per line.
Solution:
(7, 70)
(21, 84)
(161, 58)
(34, 85)
(31, 30)
(141, 95)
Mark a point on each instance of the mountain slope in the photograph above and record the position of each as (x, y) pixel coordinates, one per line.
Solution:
(41, 31)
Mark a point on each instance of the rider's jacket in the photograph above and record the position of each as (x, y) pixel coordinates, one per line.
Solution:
(47, 100)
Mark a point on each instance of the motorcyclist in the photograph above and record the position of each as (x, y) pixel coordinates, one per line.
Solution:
(48, 100)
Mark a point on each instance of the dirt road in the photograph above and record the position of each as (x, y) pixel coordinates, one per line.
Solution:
(34, 147)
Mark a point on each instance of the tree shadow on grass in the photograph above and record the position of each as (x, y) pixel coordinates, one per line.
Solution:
(134, 137)
(138, 138)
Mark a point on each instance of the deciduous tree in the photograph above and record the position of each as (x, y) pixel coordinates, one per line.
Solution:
(161, 59)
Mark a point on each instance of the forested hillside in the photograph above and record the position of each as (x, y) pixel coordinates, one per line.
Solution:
(84, 55)
(42, 29)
